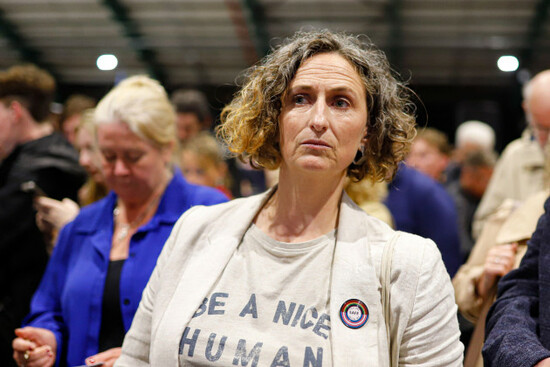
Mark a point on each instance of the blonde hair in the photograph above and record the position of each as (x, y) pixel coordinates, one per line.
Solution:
(205, 146)
(437, 139)
(142, 104)
(87, 122)
(250, 127)
(92, 190)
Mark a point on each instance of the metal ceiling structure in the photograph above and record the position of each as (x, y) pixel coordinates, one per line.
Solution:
(208, 42)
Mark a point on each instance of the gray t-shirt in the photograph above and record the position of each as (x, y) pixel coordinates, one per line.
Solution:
(270, 307)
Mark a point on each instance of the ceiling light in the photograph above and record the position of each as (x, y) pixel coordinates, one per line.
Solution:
(107, 62)
(508, 63)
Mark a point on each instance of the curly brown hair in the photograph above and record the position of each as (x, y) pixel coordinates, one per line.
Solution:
(31, 86)
(250, 127)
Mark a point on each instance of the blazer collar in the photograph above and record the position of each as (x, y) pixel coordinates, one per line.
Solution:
(354, 277)
(168, 211)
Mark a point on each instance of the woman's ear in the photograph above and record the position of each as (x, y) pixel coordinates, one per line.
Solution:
(365, 139)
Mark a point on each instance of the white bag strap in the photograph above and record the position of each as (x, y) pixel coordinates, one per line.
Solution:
(385, 281)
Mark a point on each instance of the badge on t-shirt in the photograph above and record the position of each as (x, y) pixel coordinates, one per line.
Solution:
(354, 313)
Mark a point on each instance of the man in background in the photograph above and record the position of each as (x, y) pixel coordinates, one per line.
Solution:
(519, 171)
(33, 161)
(476, 171)
(192, 112)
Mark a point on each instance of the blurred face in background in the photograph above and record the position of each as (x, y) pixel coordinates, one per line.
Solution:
(537, 107)
(201, 170)
(188, 126)
(90, 157)
(427, 159)
(69, 128)
(8, 131)
(474, 180)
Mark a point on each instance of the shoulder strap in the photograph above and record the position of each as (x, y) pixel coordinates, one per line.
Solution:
(385, 281)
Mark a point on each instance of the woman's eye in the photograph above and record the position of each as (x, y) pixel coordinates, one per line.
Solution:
(109, 157)
(341, 103)
(300, 99)
(134, 157)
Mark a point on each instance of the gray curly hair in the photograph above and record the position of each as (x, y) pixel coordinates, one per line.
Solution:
(250, 127)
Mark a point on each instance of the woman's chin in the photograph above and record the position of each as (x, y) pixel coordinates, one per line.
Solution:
(317, 166)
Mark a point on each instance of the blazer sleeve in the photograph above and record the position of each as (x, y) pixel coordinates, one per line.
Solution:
(45, 308)
(431, 336)
(137, 342)
(513, 320)
(464, 282)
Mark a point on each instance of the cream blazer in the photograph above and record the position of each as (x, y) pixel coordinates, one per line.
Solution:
(424, 327)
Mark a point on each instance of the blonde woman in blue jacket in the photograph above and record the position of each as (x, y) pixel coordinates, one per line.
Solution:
(290, 277)
(103, 259)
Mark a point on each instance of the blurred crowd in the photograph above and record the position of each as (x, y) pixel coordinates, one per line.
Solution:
(117, 174)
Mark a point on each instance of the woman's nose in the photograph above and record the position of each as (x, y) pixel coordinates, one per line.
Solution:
(121, 168)
(319, 118)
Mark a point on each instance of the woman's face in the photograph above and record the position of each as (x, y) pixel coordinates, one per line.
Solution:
(199, 170)
(89, 156)
(324, 116)
(133, 167)
(427, 159)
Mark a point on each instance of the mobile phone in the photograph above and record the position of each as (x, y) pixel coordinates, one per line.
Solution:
(32, 188)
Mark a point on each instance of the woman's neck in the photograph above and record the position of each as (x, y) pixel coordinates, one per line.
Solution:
(302, 208)
(134, 209)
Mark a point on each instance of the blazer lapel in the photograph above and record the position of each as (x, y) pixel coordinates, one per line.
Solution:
(354, 277)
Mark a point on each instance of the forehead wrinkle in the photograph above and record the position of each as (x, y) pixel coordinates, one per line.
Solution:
(339, 71)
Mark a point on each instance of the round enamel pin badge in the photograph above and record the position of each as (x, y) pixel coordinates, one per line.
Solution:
(354, 313)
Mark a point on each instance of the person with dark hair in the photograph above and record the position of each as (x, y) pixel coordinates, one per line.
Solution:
(300, 275)
(476, 171)
(192, 113)
(33, 161)
(73, 108)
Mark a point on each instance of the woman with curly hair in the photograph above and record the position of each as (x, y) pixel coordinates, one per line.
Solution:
(295, 276)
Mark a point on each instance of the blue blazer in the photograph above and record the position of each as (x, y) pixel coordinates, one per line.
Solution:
(518, 323)
(420, 205)
(69, 298)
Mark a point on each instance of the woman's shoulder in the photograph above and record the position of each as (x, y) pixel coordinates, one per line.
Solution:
(229, 212)
(190, 194)
(412, 254)
(416, 252)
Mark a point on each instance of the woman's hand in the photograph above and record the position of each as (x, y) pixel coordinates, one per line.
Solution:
(54, 214)
(499, 261)
(544, 363)
(34, 347)
(108, 357)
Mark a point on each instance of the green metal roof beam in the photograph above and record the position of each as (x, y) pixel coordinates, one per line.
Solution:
(395, 41)
(256, 22)
(131, 30)
(536, 27)
(17, 42)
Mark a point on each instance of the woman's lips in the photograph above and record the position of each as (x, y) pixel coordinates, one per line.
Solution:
(316, 143)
